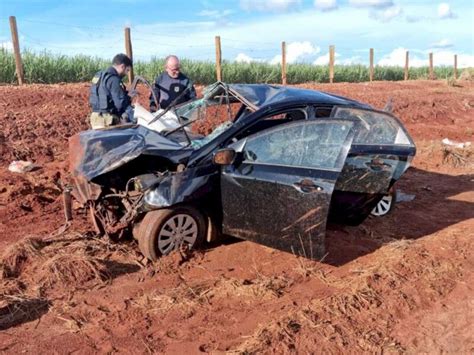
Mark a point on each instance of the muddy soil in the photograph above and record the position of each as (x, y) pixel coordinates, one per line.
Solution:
(401, 283)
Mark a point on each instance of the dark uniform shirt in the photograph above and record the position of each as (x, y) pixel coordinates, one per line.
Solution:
(167, 89)
(108, 93)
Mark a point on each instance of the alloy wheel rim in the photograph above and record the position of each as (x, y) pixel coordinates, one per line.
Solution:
(180, 229)
(383, 206)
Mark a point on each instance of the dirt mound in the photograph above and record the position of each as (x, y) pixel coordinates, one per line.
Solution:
(382, 293)
(37, 120)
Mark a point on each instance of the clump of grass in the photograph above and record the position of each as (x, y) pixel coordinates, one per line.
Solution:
(16, 306)
(17, 255)
(78, 269)
(457, 157)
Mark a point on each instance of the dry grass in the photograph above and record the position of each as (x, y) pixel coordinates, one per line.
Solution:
(21, 308)
(339, 322)
(467, 75)
(458, 157)
(187, 297)
(16, 306)
(56, 265)
(17, 255)
(72, 270)
(309, 268)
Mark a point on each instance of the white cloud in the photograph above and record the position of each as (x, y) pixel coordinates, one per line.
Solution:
(268, 5)
(7, 45)
(325, 5)
(349, 61)
(387, 14)
(444, 11)
(397, 58)
(440, 58)
(444, 43)
(447, 58)
(371, 3)
(244, 58)
(297, 51)
(324, 59)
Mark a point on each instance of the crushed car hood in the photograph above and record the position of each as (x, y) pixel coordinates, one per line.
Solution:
(96, 152)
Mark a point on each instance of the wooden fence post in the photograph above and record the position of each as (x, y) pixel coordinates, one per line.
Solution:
(331, 63)
(16, 50)
(283, 63)
(128, 49)
(455, 66)
(371, 71)
(218, 59)
(407, 58)
(431, 67)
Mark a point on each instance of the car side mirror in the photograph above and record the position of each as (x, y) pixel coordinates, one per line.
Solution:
(224, 156)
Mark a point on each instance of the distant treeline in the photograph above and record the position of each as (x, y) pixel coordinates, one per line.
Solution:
(48, 68)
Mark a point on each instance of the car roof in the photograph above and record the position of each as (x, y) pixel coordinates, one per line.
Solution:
(260, 95)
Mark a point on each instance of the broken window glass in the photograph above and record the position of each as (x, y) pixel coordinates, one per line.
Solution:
(375, 127)
(308, 144)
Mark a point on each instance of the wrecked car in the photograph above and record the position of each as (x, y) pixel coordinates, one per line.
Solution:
(269, 164)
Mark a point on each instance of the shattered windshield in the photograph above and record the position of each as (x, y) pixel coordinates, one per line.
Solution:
(207, 118)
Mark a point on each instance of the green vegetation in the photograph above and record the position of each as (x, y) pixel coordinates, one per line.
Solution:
(48, 68)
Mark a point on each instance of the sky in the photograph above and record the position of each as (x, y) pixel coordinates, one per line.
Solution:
(250, 30)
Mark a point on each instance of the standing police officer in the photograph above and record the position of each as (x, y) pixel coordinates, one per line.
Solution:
(108, 97)
(171, 84)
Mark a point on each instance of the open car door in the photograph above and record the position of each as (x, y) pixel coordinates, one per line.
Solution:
(278, 191)
(381, 152)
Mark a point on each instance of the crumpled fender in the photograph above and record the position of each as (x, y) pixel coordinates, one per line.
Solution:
(190, 184)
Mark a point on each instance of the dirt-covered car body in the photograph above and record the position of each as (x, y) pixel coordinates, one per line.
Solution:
(281, 163)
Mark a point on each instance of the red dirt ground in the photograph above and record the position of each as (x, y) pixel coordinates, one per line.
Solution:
(401, 283)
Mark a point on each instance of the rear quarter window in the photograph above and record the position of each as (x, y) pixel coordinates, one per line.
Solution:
(374, 127)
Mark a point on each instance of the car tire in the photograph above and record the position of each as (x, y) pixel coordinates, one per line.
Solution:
(385, 205)
(162, 231)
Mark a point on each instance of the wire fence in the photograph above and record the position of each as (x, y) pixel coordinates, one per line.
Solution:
(253, 61)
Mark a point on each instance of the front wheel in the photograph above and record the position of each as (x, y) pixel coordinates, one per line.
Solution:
(165, 230)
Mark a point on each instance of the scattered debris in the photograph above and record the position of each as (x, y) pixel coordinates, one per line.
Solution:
(22, 166)
(454, 144)
(403, 197)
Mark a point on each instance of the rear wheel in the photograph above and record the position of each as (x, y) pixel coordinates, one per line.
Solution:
(385, 205)
(165, 230)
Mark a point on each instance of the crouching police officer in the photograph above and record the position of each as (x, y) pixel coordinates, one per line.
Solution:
(108, 97)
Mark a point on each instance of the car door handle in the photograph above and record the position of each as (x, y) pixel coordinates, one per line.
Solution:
(307, 186)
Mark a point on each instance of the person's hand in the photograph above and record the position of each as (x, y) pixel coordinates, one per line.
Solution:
(124, 118)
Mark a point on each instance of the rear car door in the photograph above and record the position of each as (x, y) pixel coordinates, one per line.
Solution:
(381, 152)
(277, 192)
